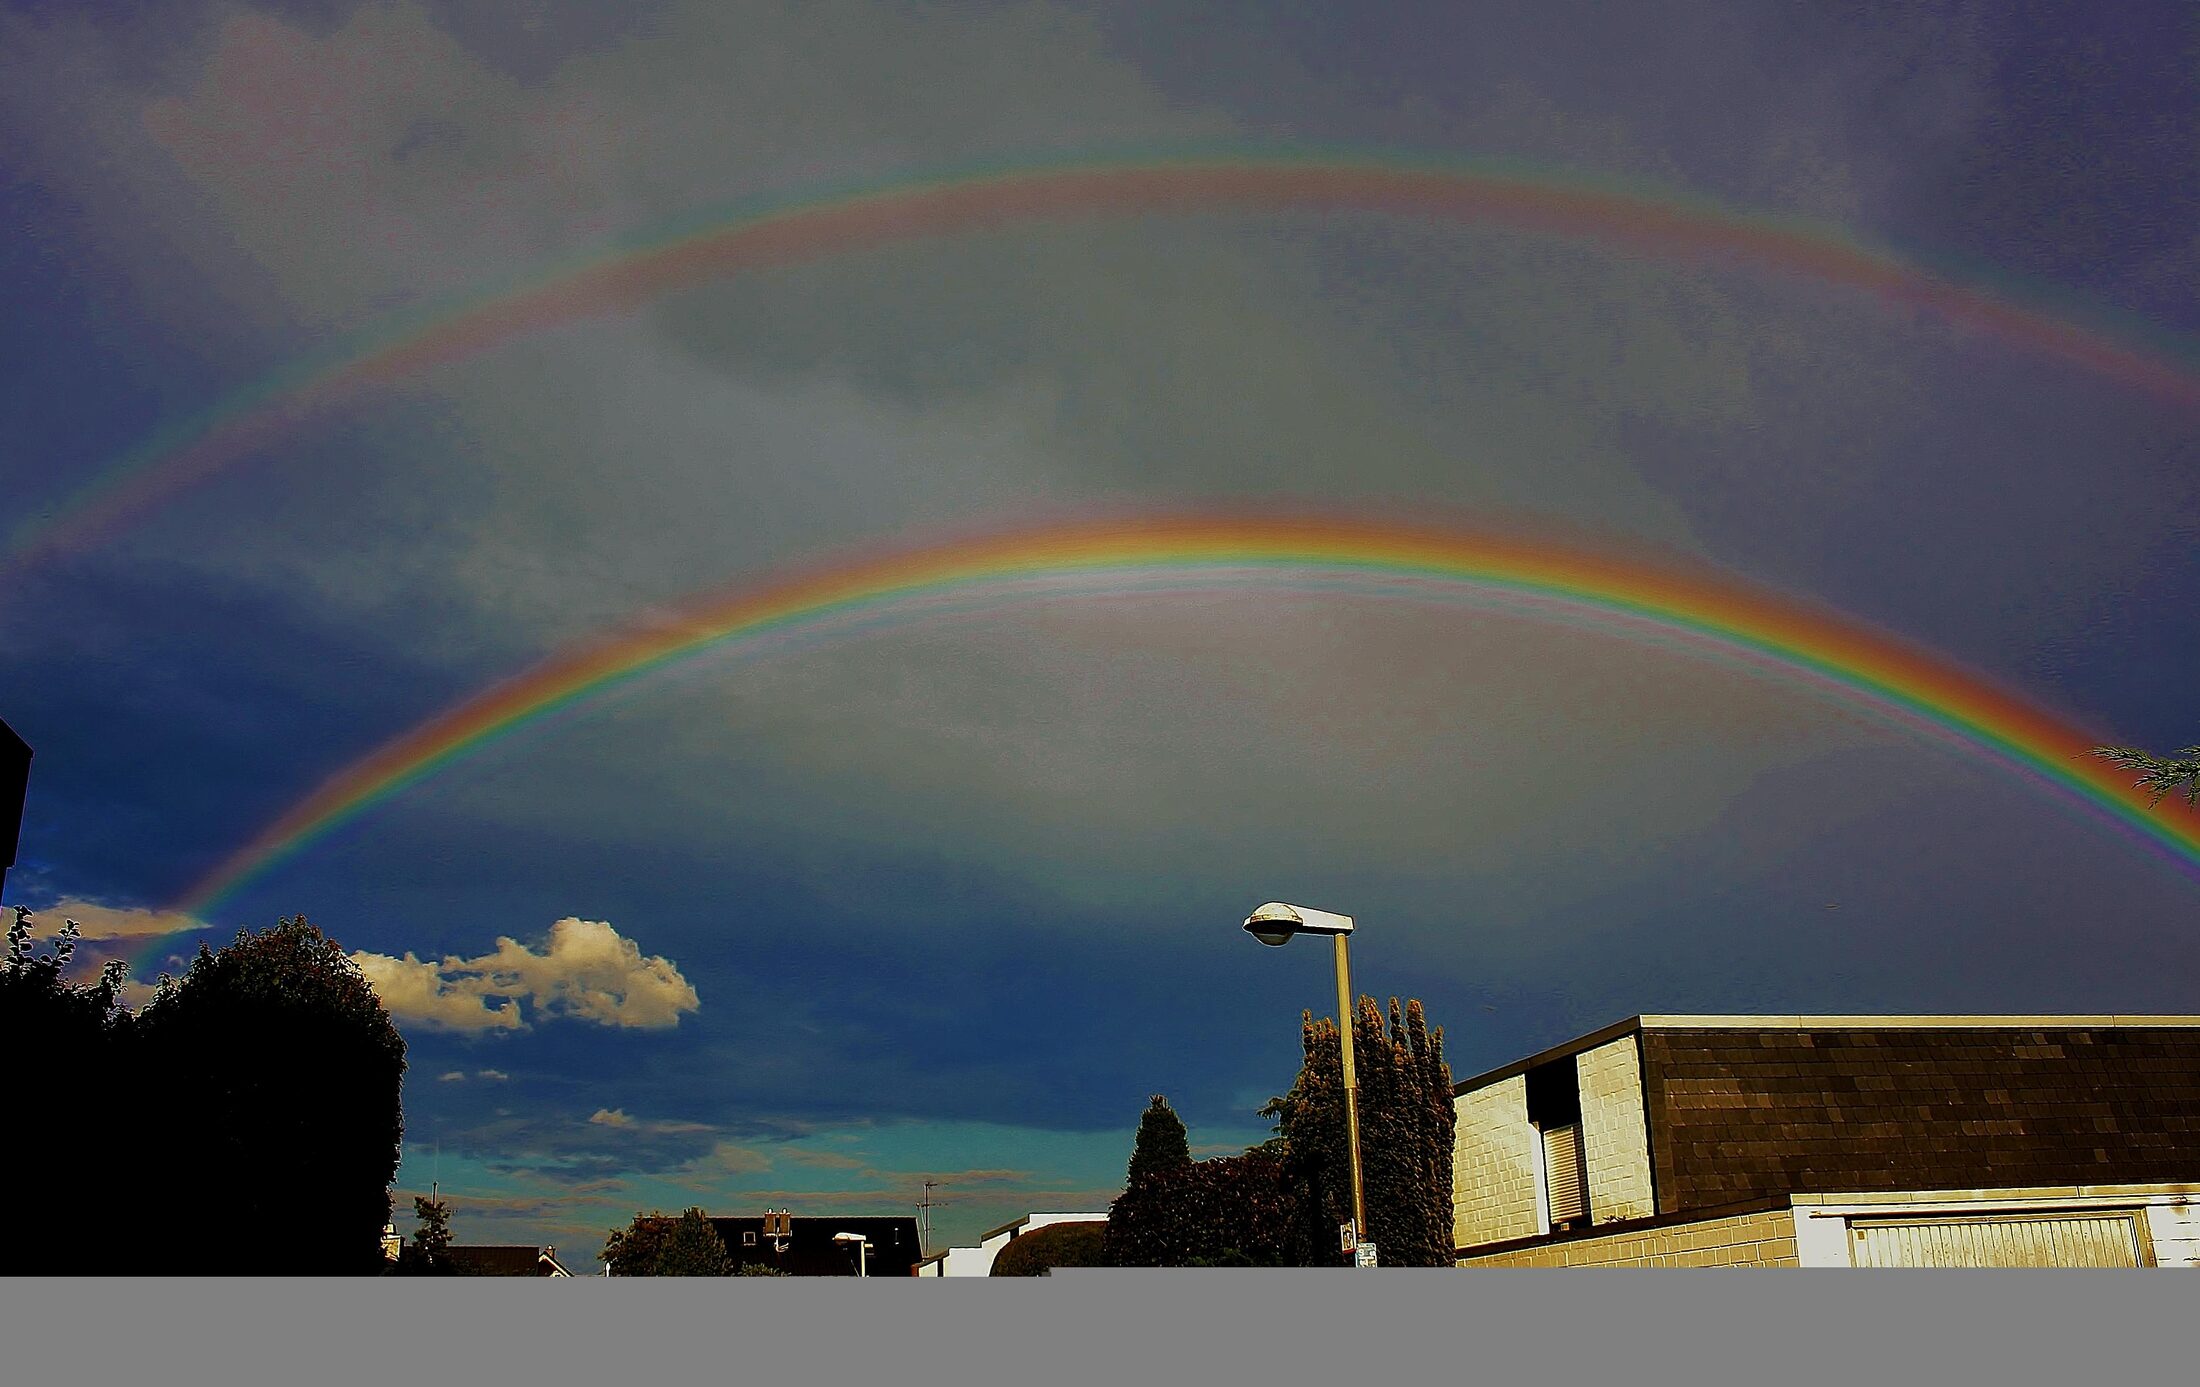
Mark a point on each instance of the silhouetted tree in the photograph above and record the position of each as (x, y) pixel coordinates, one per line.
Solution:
(275, 1075)
(429, 1252)
(73, 1140)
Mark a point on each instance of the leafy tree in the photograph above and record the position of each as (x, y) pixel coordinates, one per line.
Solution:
(635, 1249)
(275, 1075)
(657, 1244)
(72, 1047)
(2160, 774)
(693, 1248)
(1162, 1142)
(1081, 1244)
(1406, 1134)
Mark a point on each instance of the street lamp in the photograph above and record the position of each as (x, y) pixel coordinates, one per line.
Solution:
(1274, 924)
(863, 1250)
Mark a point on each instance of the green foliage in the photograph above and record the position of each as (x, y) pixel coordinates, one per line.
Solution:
(759, 1269)
(1081, 1244)
(275, 1076)
(1162, 1143)
(657, 1244)
(1406, 1133)
(1192, 1214)
(2160, 774)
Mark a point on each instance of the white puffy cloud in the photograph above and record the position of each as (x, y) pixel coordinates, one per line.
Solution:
(610, 1117)
(97, 921)
(586, 970)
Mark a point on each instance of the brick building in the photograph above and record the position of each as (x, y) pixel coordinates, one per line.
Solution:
(1840, 1140)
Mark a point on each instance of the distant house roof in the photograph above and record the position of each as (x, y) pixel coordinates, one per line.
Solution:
(507, 1259)
(811, 1250)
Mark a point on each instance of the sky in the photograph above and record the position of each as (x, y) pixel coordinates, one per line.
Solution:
(947, 896)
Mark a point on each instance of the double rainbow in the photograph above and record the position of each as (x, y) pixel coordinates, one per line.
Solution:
(1666, 599)
(1630, 219)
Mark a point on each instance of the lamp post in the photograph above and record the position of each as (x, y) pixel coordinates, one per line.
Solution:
(863, 1250)
(1274, 924)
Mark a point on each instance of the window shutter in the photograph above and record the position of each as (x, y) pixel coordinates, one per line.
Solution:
(1565, 1174)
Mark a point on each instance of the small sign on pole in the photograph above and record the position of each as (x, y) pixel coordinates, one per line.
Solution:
(1348, 1236)
(1364, 1255)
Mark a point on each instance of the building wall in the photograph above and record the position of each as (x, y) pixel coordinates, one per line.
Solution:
(1494, 1165)
(1738, 1114)
(1615, 1133)
(1765, 1239)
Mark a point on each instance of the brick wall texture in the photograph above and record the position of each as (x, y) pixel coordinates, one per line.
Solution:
(1745, 1240)
(1740, 1114)
(1614, 1138)
(1494, 1165)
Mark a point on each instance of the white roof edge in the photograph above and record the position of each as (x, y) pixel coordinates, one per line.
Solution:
(2023, 1021)
(2021, 1193)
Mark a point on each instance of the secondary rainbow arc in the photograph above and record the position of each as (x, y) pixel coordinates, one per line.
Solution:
(1873, 668)
(1632, 218)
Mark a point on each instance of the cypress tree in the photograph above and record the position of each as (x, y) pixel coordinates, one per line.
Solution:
(1163, 1144)
(1406, 1130)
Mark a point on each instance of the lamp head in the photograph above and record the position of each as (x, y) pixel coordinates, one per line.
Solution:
(1275, 922)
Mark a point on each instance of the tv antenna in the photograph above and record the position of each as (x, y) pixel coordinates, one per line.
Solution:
(924, 1215)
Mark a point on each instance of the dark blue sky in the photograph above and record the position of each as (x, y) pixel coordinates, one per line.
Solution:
(953, 900)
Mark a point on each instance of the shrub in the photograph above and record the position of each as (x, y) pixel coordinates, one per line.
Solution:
(1056, 1245)
(1247, 1205)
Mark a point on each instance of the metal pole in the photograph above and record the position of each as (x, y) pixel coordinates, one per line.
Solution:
(1351, 1085)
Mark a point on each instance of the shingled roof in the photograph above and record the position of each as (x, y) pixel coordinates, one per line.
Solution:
(506, 1259)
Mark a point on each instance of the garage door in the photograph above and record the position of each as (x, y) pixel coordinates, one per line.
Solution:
(2047, 1240)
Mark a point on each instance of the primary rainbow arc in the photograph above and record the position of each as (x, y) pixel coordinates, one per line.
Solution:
(1874, 669)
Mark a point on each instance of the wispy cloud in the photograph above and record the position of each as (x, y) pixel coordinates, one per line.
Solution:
(587, 971)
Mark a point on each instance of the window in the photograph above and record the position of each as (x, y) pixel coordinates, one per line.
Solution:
(748, 1240)
(1565, 1180)
(1554, 1108)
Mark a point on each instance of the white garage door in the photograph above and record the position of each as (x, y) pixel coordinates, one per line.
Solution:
(2045, 1240)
